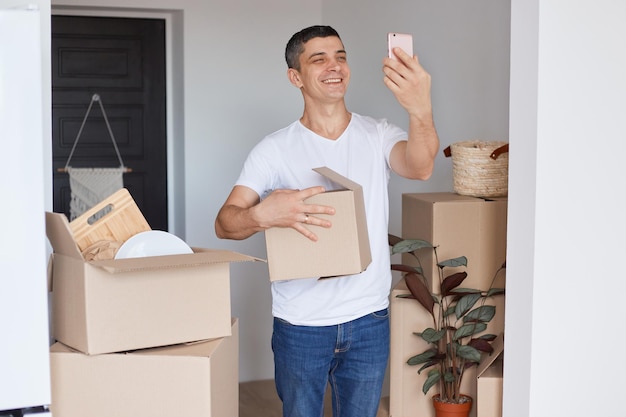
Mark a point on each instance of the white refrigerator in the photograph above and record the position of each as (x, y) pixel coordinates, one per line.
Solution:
(24, 331)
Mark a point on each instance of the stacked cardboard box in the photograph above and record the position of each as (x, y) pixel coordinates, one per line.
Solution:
(458, 225)
(194, 379)
(141, 336)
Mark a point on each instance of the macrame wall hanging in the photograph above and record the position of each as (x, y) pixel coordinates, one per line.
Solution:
(89, 186)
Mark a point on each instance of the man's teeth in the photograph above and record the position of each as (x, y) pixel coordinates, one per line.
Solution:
(332, 80)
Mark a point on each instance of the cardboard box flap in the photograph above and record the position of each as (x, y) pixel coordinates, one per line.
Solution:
(361, 218)
(61, 348)
(62, 240)
(60, 235)
(201, 348)
(337, 178)
(498, 348)
(199, 257)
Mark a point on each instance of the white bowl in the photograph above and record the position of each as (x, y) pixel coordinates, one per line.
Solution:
(152, 243)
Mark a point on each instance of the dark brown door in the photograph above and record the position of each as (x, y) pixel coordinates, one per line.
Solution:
(123, 61)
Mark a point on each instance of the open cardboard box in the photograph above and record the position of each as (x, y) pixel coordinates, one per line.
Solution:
(199, 379)
(343, 249)
(118, 305)
(489, 384)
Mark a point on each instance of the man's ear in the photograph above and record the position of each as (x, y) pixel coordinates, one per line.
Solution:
(294, 77)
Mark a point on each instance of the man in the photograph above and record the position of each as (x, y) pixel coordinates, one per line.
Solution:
(332, 330)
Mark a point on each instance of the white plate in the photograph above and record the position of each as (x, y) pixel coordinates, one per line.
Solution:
(152, 243)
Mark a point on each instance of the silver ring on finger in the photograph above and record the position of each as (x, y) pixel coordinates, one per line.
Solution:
(306, 218)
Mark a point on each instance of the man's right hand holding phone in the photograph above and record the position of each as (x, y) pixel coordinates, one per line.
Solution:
(408, 81)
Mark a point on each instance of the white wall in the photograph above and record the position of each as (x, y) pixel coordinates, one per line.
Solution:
(235, 91)
(521, 207)
(44, 12)
(566, 223)
(24, 357)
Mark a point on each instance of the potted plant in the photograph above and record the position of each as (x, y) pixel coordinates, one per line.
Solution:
(457, 338)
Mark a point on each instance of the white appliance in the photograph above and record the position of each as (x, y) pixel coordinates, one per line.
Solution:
(24, 331)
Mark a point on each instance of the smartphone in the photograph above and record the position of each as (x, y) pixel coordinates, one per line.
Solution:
(401, 40)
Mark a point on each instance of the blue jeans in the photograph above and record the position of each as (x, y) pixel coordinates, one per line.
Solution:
(352, 357)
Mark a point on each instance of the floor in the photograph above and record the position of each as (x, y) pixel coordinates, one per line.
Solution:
(259, 399)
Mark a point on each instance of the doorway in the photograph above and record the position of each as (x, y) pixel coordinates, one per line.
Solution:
(123, 61)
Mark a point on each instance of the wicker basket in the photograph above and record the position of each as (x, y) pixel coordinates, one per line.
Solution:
(480, 168)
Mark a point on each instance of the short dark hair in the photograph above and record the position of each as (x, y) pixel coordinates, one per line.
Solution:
(295, 46)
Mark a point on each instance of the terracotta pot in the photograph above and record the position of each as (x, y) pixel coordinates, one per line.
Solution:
(452, 410)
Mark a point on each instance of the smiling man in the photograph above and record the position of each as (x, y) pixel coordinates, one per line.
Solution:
(332, 330)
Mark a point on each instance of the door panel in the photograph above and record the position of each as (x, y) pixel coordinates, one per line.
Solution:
(123, 61)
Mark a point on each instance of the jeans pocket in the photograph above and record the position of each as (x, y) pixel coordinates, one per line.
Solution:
(381, 314)
(282, 322)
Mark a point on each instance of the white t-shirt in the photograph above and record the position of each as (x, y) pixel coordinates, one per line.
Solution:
(284, 160)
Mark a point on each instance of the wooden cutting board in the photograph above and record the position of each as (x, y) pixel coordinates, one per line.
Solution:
(115, 218)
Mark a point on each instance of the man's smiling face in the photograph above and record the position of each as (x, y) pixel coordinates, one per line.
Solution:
(324, 72)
